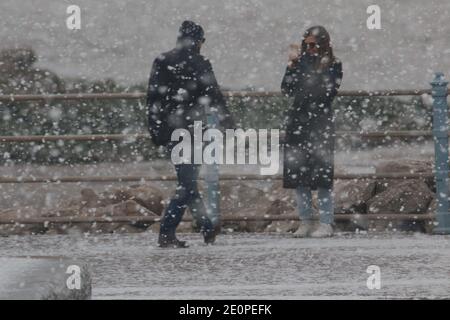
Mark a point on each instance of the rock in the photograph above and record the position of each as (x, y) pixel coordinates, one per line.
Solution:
(279, 207)
(430, 225)
(126, 208)
(287, 198)
(89, 199)
(55, 229)
(407, 197)
(117, 195)
(405, 166)
(352, 196)
(245, 226)
(283, 226)
(18, 228)
(21, 229)
(277, 192)
(388, 226)
(237, 197)
(432, 206)
(122, 209)
(148, 197)
(409, 166)
(130, 208)
(353, 225)
(383, 185)
(63, 212)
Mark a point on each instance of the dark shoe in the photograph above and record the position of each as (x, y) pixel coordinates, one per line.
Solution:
(210, 236)
(171, 242)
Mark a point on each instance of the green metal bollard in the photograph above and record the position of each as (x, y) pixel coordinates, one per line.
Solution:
(212, 176)
(440, 133)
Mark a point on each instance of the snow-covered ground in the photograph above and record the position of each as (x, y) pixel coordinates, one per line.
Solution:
(245, 266)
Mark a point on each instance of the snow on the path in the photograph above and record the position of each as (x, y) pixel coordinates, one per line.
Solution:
(263, 266)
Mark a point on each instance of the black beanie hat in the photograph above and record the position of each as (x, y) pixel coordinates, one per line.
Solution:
(191, 30)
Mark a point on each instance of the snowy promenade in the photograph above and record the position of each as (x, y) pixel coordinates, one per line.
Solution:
(245, 266)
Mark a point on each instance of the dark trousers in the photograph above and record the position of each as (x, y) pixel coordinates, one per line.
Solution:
(186, 195)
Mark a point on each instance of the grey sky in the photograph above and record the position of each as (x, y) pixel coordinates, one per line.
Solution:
(246, 40)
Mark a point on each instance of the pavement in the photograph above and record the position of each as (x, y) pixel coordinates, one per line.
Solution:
(254, 266)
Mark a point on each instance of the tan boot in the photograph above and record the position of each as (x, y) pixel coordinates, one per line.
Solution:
(304, 229)
(322, 231)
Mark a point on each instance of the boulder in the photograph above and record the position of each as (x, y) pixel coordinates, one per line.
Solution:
(279, 207)
(429, 225)
(245, 226)
(285, 199)
(126, 208)
(283, 226)
(138, 200)
(237, 197)
(146, 195)
(405, 166)
(406, 226)
(21, 229)
(277, 192)
(432, 206)
(408, 196)
(60, 228)
(89, 199)
(71, 211)
(244, 200)
(410, 166)
(18, 228)
(359, 222)
(352, 196)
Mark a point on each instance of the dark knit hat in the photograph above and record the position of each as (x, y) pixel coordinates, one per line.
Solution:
(192, 31)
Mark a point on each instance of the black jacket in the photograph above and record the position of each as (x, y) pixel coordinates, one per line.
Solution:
(310, 132)
(182, 84)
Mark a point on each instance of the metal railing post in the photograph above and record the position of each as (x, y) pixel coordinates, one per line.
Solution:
(440, 133)
(212, 175)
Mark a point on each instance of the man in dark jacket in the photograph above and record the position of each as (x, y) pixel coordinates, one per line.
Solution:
(182, 86)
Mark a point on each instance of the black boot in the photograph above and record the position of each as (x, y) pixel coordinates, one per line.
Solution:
(165, 241)
(210, 235)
